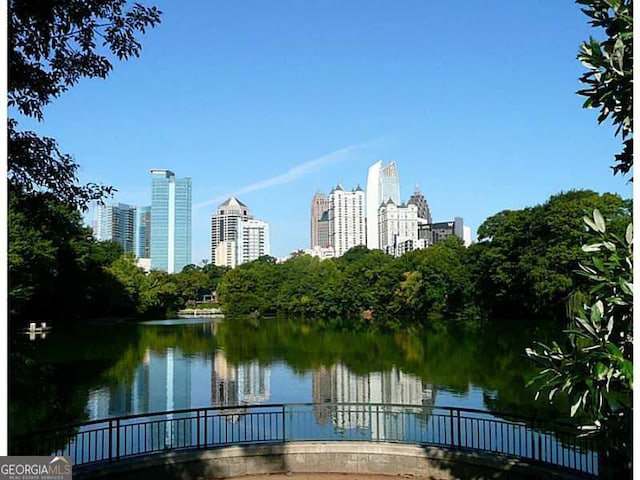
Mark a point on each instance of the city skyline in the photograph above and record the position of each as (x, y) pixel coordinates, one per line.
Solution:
(317, 92)
(338, 222)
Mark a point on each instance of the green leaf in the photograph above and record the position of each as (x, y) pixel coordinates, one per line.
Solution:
(576, 406)
(587, 327)
(614, 350)
(597, 261)
(590, 223)
(627, 370)
(597, 309)
(601, 370)
(599, 221)
(594, 247)
(629, 234)
(626, 286)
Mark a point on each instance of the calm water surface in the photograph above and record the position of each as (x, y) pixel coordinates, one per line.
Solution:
(98, 372)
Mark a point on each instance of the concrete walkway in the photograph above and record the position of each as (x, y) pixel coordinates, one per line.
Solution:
(331, 476)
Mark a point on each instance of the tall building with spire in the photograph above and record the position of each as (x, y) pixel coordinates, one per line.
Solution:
(419, 200)
(383, 184)
(319, 207)
(346, 219)
(170, 235)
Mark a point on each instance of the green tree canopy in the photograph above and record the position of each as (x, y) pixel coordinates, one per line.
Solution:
(52, 45)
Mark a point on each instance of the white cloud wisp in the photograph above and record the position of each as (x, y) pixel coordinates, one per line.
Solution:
(289, 176)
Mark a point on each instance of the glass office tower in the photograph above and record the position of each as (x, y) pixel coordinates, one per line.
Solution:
(143, 248)
(383, 184)
(170, 221)
(117, 223)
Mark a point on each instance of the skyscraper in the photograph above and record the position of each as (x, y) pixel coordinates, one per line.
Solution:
(346, 219)
(170, 244)
(382, 184)
(319, 206)
(324, 231)
(143, 233)
(118, 223)
(420, 201)
(224, 226)
(253, 240)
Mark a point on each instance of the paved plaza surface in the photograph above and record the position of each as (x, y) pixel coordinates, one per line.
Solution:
(332, 476)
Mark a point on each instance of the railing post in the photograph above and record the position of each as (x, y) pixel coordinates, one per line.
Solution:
(118, 438)
(451, 425)
(198, 427)
(284, 435)
(110, 440)
(206, 437)
(539, 446)
(533, 451)
(459, 436)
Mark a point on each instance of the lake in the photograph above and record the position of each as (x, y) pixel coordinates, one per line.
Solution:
(103, 371)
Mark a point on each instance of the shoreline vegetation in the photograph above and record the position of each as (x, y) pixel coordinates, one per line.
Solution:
(524, 265)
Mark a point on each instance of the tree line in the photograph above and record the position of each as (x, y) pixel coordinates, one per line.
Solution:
(523, 267)
(59, 272)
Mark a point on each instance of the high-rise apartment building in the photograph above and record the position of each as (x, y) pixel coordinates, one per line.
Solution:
(419, 200)
(383, 184)
(319, 208)
(236, 237)
(227, 254)
(346, 219)
(170, 242)
(396, 225)
(118, 223)
(224, 227)
(253, 240)
(143, 233)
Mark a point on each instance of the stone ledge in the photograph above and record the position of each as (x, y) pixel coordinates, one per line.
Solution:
(321, 457)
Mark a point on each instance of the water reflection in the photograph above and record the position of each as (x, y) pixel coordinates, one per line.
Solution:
(165, 381)
(338, 385)
(170, 380)
(135, 369)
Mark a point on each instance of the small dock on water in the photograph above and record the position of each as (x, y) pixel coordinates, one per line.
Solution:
(34, 330)
(200, 313)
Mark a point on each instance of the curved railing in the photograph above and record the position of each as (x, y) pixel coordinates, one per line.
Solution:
(551, 443)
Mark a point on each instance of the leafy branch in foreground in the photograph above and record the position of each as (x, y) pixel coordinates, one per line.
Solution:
(609, 75)
(595, 370)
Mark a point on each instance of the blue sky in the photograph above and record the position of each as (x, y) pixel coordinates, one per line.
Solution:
(474, 100)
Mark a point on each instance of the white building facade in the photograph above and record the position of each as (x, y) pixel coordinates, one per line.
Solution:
(226, 254)
(224, 228)
(346, 219)
(253, 240)
(397, 227)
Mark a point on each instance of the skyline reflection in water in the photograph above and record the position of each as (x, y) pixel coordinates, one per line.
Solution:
(170, 380)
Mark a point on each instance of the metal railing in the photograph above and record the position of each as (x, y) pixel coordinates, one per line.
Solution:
(550, 443)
